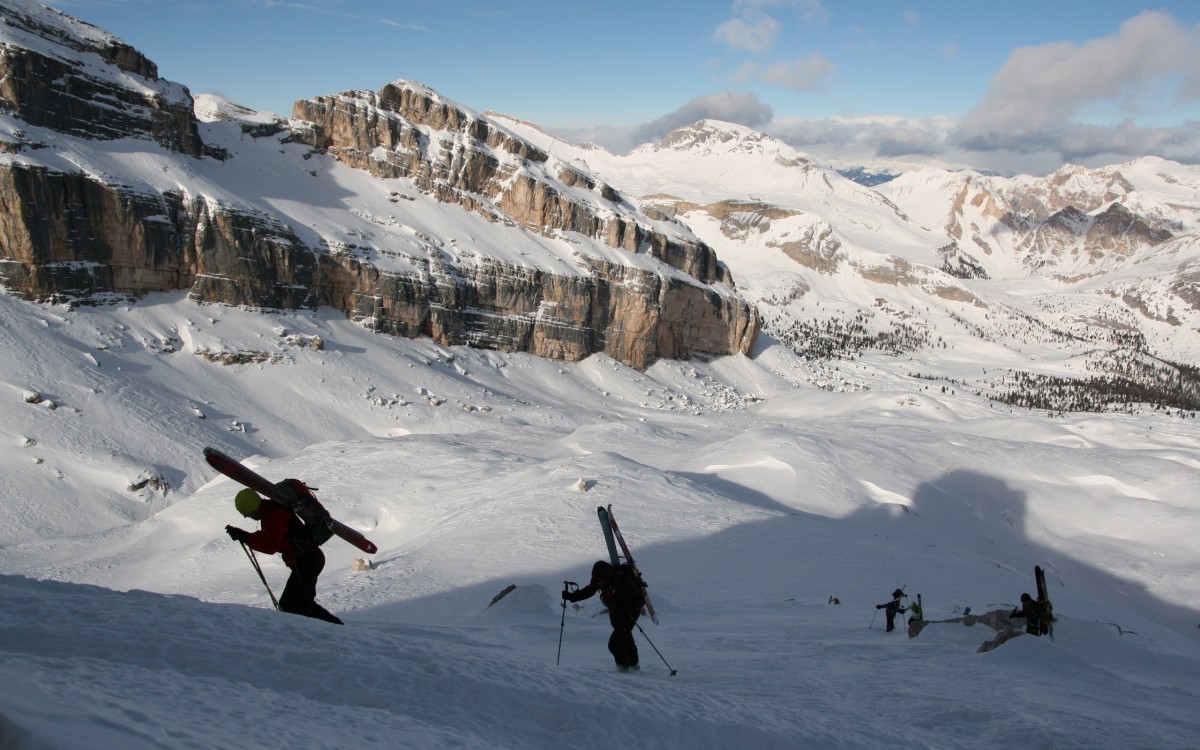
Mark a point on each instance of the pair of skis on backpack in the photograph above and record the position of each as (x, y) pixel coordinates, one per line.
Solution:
(1043, 598)
(613, 538)
(293, 495)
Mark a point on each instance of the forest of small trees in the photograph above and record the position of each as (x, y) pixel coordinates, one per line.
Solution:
(1126, 378)
(836, 338)
(1130, 381)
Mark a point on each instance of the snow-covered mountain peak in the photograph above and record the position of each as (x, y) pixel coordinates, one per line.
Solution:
(707, 137)
(30, 28)
(416, 87)
(21, 15)
(215, 108)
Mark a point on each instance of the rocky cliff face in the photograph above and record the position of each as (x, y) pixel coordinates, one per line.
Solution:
(85, 236)
(60, 73)
(407, 130)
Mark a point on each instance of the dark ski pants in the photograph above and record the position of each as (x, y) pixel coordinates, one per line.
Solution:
(300, 592)
(892, 610)
(621, 644)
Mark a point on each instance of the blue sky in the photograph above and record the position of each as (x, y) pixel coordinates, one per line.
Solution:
(1014, 86)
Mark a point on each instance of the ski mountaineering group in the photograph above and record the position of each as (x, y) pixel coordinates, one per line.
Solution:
(294, 524)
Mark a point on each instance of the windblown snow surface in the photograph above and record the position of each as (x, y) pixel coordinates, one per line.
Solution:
(752, 491)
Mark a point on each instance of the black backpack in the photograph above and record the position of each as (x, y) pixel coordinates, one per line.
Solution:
(629, 590)
(315, 527)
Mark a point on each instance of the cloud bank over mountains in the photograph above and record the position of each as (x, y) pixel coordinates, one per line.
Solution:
(1046, 105)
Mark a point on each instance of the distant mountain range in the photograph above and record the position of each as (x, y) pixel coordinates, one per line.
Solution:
(419, 216)
(867, 176)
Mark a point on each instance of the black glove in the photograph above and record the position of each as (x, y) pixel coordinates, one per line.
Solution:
(564, 594)
(237, 535)
(880, 606)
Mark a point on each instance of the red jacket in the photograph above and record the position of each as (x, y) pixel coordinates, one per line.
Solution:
(273, 537)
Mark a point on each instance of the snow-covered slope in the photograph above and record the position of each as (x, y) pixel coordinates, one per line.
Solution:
(750, 498)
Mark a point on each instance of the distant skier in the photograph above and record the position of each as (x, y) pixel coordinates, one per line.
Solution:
(893, 607)
(283, 532)
(622, 594)
(1034, 612)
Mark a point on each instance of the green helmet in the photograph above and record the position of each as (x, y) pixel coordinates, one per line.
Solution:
(247, 501)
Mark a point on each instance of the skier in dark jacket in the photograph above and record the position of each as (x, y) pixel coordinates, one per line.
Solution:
(283, 532)
(621, 592)
(893, 607)
(1034, 614)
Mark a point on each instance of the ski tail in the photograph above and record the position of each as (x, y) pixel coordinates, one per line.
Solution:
(352, 536)
(616, 532)
(606, 527)
(293, 495)
(1043, 600)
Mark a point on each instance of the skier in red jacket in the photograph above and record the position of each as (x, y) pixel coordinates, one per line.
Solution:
(284, 533)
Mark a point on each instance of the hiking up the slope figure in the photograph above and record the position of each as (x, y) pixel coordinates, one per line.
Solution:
(619, 591)
(893, 608)
(283, 532)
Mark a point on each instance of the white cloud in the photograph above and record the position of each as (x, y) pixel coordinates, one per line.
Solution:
(404, 26)
(756, 35)
(752, 29)
(1040, 92)
(812, 11)
(809, 74)
(1034, 118)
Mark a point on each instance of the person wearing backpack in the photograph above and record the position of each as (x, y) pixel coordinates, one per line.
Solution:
(283, 532)
(1036, 620)
(622, 593)
(892, 609)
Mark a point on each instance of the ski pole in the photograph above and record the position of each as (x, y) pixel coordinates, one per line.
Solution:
(872, 625)
(563, 624)
(254, 561)
(664, 660)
